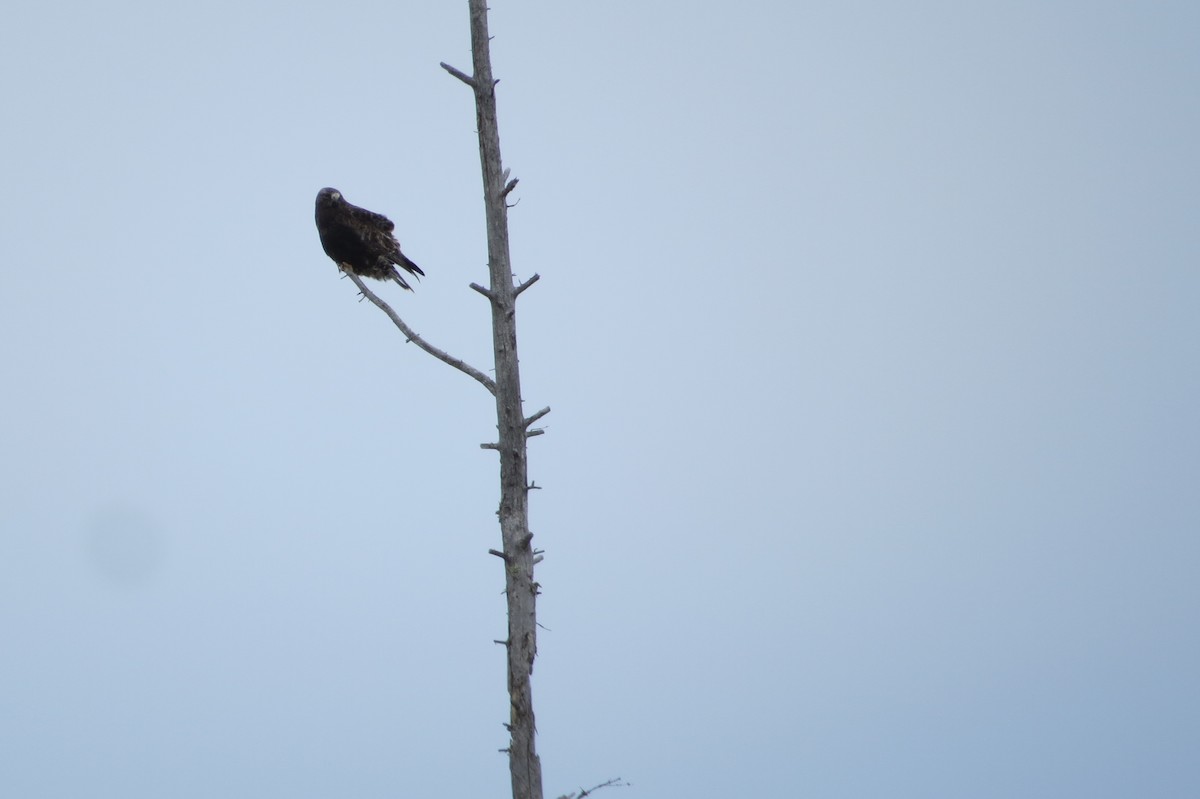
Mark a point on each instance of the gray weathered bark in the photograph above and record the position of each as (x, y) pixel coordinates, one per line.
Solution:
(514, 428)
(518, 556)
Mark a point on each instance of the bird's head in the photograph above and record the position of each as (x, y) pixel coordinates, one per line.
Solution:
(328, 196)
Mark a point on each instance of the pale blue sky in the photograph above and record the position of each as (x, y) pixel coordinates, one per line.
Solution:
(871, 333)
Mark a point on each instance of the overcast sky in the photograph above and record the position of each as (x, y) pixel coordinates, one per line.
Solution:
(871, 333)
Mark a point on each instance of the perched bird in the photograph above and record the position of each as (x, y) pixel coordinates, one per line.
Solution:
(360, 241)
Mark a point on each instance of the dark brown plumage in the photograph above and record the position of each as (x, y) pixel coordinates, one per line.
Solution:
(360, 241)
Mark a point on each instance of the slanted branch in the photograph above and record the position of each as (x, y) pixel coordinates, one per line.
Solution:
(582, 792)
(517, 291)
(411, 335)
(537, 416)
(464, 77)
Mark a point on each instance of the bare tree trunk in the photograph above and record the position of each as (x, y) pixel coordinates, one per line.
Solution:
(520, 588)
(514, 428)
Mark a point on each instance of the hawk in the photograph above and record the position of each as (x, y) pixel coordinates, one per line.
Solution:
(360, 241)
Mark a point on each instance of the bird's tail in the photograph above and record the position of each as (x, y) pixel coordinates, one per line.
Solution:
(396, 277)
(401, 260)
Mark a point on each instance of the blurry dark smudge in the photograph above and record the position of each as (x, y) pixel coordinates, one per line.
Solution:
(124, 546)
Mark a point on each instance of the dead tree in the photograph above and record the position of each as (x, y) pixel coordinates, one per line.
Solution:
(514, 427)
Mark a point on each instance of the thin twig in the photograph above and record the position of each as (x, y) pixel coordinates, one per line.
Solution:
(441, 355)
(615, 783)
(464, 77)
(526, 284)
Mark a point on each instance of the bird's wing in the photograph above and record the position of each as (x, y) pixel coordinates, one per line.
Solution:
(369, 218)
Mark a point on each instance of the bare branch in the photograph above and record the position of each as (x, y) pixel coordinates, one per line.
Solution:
(537, 416)
(525, 285)
(441, 355)
(482, 291)
(464, 77)
(537, 431)
(490, 445)
(508, 187)
(613, 783)
(498, 554)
